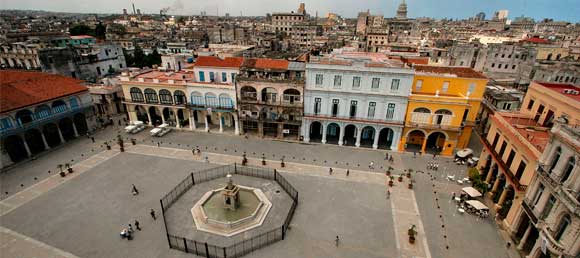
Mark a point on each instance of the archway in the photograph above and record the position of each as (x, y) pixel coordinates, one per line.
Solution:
(24, 116)
(500, 188)
(50, 132)
(81, 123)
(332, 133)
(367, 137)
(168, 116)
(196, 99)
(154, 116)
(442, 117)
(486, 167)
(349, 135)
(435, 142)
(248, 93)
(136, 95)
(415, 141)
(315, 131)
(66, 128)
(225, 101)
(182, 120)
(15, 148)
(151, 96)
(42, 111)
(494, 173)
(165, 97)
(33, 138)
(179, 97)
(269, 95)
(141, 114)
(507, 203)
(386, 138)
(58, 106)
(291, 96)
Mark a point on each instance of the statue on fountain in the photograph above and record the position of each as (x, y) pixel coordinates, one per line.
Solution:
(231, 194)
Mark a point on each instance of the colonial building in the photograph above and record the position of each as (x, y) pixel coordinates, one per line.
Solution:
(156, 97)
(40, 111)
(20, 55)
(356, 100)
(548, 225)
(544, 102)
(270, 97)
(443, 105)
(213, 94)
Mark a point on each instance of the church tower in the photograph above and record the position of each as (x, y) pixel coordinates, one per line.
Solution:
(402, 11)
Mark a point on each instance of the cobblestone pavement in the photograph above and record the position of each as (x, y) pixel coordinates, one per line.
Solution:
(465, 236)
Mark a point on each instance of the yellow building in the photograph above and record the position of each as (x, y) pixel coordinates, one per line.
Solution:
(442, 108)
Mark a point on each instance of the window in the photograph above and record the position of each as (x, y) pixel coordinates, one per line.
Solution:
(337, 81)
(502, 149)
(98, 70)
(568, 170)
(538, 195)
(530, 104)
(521, 169)
(233, 77)
(211, 77)
(555, 159)
(513, 67)
(371, 111)
(495, 140)
(356, 82)
(317, 105)
(151, 96)
(390, 111)
(352, 111)
(507, 106)
(5, 123)
(471, 88)
(395, 84)
(335, 107)
(224, 77)
(492, 65)
(548, 207)
(179, 97)
(136, 95)
(165, 97)
(419, 85)
(319, 79)
(564, 223)
(375, 83)
(510, 158)
(445, 87)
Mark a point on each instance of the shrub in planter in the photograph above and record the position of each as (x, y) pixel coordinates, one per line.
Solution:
(410, 185)
(68, 167)
(62, 173)
(412, 233)
(401, 178)
(391, 182)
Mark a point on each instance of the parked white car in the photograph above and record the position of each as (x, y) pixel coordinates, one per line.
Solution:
(161, 130)
(135, 127)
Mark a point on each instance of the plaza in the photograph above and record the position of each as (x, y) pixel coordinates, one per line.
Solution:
(82, 214)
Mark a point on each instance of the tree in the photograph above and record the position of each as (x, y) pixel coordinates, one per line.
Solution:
(81, 29)
(138, 57)
(153, 58)
(100, 31)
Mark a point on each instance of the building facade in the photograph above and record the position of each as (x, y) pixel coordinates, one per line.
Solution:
(548, 225)
(19, 55)
(545, 102)
(270, 97)
(355, 102)
(41, 111)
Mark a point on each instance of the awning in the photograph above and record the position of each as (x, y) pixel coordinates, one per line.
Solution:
(477, 205)
(472, 192)
(464, 153)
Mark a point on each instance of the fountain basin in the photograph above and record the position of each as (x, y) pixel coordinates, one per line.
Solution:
(210, 215)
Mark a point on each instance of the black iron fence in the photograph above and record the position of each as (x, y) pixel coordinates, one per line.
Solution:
(240, 248)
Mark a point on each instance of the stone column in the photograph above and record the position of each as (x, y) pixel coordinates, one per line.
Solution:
(503, 195)
(323, 133)
(26, 147)
(75, 129)
(206, 122)
(358, 135)
(60, 134)
(46, 147)
(162, 117)
(192, 124)
(424, 145)
(177, 123)
(489, 173)
(495, 185)
(280, 130)
(341, 136)
(236, 124)
(221, 122)
(149, 116)
(306, 130)
(376, 140)
(525, 237)
(396, 139)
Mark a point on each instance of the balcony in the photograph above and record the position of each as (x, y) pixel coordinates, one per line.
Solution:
(286, 101)
(433, 126)
(552, 244)
(507, 172)
(130, 101)
(546, 176)
(558, 189)
(21, 127)
(356, 119)
(270, 79)
(295, 121)
(529, 210)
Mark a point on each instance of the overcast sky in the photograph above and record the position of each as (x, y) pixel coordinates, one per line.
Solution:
(568, 10)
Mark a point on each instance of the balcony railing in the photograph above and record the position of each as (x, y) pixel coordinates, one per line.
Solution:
(286, 101)
(296, 120)
(433, 126)
(509, 174)
(45, 119)
(547, 177)
(130, 101)
(560, 191)
(357, 118)
(552, 243)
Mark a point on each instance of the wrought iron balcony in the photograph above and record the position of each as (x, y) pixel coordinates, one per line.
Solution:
(552, 243)
(357, 119)
(433, 126)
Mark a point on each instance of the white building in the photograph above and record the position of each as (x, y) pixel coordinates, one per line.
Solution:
(175, 62)
(356, 100)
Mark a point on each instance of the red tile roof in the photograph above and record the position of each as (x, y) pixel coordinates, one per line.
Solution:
(560, 87)
(19, 89)
(457, 71)
(266, 63)
(213, 61)
(536, 40)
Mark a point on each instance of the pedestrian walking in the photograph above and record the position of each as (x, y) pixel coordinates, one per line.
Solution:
(388, 194)
(372, 165)
(134, 190)
(137, 225)
(206, 158)
(434, 154)
(158, 144)
(336, 241)
(330, 171)
(347, 172)
(130, 228)
(152, 212)
(193, 151)
(452, 196)
(93, 139)
(414, 154)
(387, 156)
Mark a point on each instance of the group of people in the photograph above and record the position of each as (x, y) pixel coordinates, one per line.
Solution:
(128, 231)
(389, 158)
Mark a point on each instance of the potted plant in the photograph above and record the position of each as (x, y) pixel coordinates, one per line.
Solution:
(62, 173)
(400, 177)
(68, 167)
(391, 182)
(263, 160)
(108, 146)
(410, 184)
(412, 233)
(409, 173)
(389, 170)
(133, 141)
(282, 162)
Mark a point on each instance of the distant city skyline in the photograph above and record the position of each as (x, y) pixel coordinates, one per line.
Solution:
(565, 10)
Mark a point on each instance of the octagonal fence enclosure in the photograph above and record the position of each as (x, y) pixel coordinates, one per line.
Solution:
(239, 248)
